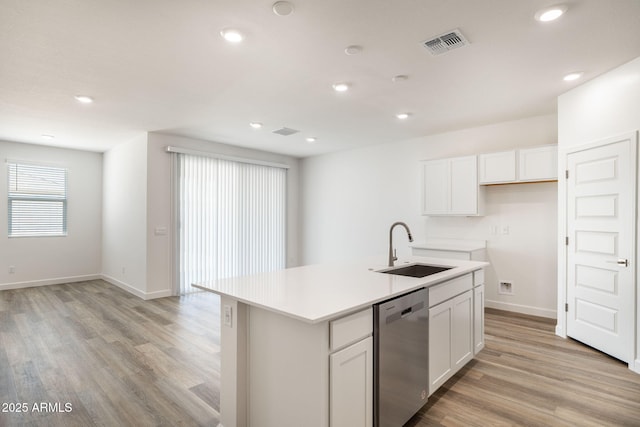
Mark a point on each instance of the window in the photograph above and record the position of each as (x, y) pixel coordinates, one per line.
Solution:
(37, 200)
(232, 219)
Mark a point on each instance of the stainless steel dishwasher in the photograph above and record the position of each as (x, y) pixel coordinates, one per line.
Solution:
(401, 358)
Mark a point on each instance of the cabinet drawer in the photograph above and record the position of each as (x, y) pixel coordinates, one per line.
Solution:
(478, 278)
(449, 289)
(349, 329)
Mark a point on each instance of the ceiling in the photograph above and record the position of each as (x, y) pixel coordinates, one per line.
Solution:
(161, 65)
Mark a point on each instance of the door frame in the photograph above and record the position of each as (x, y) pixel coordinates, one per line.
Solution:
(563, 153)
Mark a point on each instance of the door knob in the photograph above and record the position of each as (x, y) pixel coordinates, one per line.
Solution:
(621, 261)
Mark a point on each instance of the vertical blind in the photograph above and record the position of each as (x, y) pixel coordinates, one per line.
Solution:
(37, 200)
(232, 219)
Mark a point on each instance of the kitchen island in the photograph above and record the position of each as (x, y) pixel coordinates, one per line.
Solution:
(296, 344)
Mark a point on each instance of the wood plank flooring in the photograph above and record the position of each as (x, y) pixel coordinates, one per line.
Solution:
(528, 376)
(121, 361)
(110, 357)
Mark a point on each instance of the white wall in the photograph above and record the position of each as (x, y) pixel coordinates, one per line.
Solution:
(48, 260)
(604, 107)
(607, 106)
(159, 201)
(124, 231)
(349, 199)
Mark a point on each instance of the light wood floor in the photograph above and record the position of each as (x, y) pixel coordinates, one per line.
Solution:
(118, 360)
(528, 376)
(121, 361)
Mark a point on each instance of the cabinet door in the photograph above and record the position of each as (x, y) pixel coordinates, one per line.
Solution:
(538, 164)
(450, 338)
(462, 330)
(478, 319)
(463, 190)
(440, 323)
(435, 187)
(351, 385)
(497, 168)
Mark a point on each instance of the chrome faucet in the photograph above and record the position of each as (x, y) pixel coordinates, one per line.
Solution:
(392, 252)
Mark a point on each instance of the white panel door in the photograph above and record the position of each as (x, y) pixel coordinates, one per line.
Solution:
(600, 253)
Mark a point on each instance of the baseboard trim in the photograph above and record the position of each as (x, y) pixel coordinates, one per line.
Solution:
(158, 294)
(524, 309)
(137, 292)
(47, 282)
(635, 366)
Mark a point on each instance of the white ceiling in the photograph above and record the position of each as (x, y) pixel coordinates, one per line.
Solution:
(161, 65)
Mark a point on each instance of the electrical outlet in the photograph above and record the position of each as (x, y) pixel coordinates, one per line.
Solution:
(227, 316)
(124, 271)
(12, 269)
(505, 287)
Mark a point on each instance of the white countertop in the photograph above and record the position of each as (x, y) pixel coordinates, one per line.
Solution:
(316, 293)
(451, 245)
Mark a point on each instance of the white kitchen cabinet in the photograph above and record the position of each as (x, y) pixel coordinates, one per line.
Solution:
(538, 163)
(497, 168)
(450, 187)
(478, 319)
(462, 331)
(522, 165)
(451, 329)
(435, 187)
(351, 370)
(351, 385)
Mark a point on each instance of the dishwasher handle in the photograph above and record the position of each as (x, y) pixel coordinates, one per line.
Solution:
(392, 317)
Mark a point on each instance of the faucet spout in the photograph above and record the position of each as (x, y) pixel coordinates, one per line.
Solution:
(392, 255)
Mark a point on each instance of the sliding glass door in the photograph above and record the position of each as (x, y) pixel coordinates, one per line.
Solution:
(232, 219)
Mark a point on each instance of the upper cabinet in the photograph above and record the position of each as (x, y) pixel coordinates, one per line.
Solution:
(497, 168)
(538, 163)
(450, 187)
(523, 165)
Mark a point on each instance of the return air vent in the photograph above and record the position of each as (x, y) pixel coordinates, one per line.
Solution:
(445, 42)
(285, 131)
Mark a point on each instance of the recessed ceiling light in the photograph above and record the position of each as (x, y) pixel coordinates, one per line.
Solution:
(84, 99)
(550, 13)
(232, 35)
(312, 139)
(353, 49)
(403, 116)
(283, 8)
(341, 87)
(47, 136)
(255, 125)
(572, 76)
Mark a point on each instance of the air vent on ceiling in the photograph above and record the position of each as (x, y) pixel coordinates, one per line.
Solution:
(285, 131)
(445, 42)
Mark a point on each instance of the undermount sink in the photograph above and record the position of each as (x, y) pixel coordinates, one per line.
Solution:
(416, 270)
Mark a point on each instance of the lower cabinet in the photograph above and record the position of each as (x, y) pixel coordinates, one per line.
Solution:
(351, 385)
(451, 334)
(351, 370)
(478, 318)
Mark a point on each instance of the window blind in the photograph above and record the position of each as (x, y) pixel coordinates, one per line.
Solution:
(232, 219)
(37, 200)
